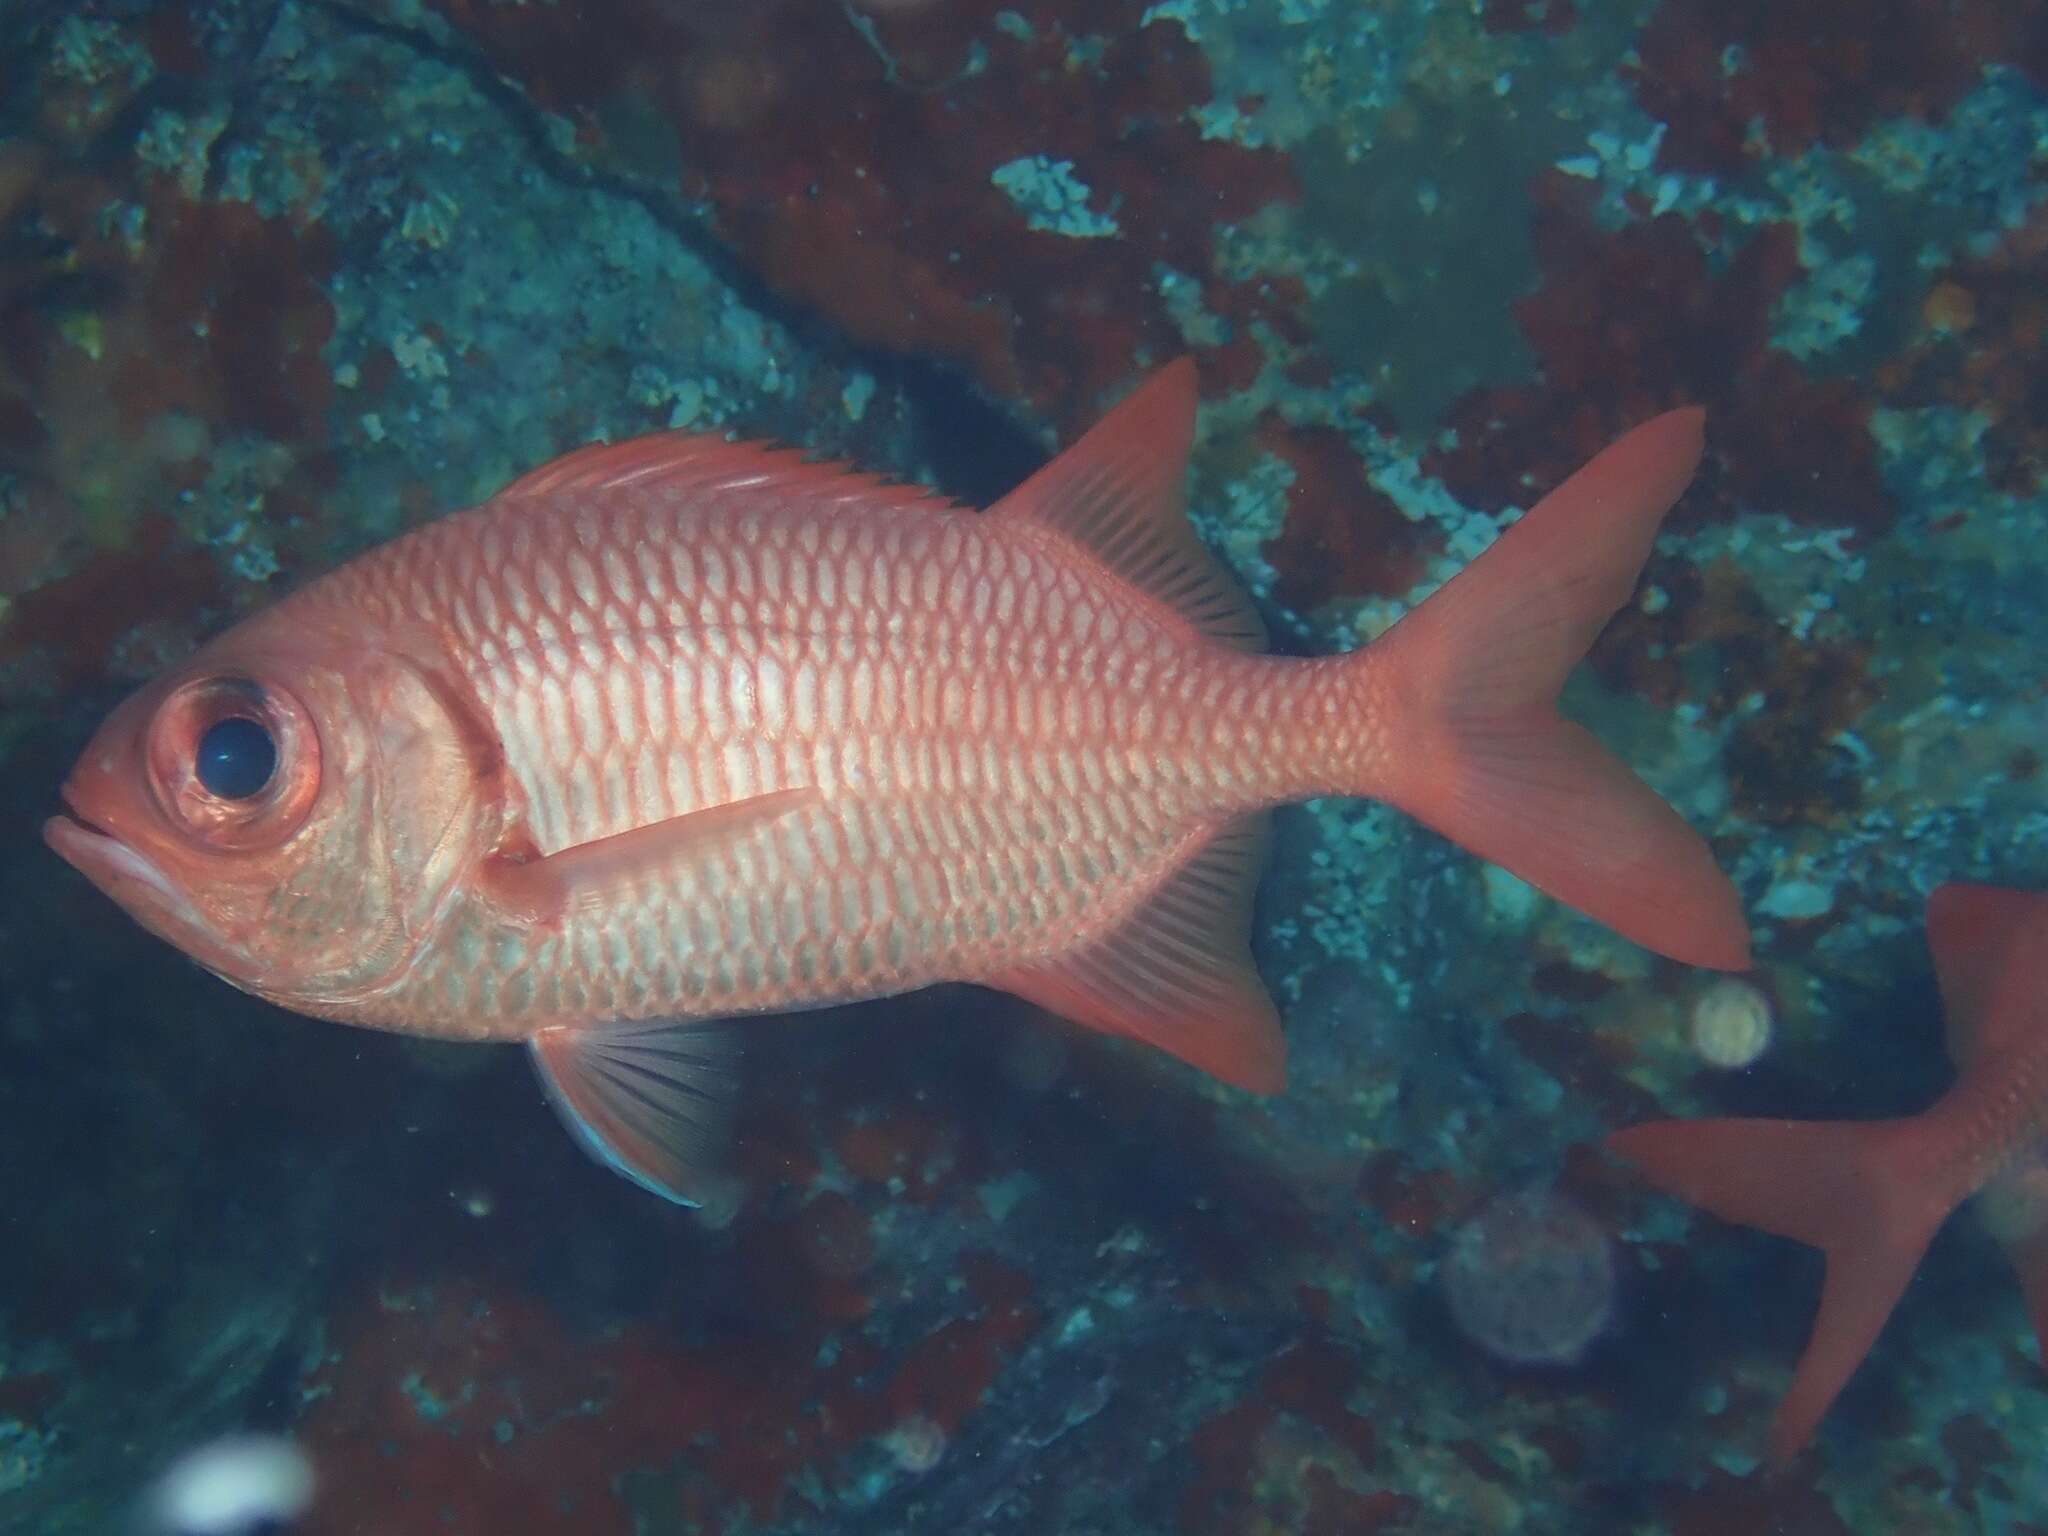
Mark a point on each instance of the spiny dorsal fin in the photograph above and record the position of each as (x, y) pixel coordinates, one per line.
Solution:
(1178, 974)
(1120, 494)
(704, 464)
(1978, 934)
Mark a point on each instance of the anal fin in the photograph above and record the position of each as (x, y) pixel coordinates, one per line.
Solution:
(1178, 974)
(651, 1100)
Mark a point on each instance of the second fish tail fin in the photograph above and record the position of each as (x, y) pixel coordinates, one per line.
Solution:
(1870, 1195)
(1479, 667)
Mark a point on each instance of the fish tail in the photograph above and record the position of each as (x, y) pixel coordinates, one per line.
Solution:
(1869, 1195)
(1485, 757)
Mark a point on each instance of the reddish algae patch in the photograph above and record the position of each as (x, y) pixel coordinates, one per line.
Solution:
(472, 1410)
(1342, 538)
(1808, 71)
(1292, 1455)
(1631, 322)
(856, 180)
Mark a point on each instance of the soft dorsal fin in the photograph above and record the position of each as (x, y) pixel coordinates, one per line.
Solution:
(704, 464)
(1178, 974)
(587, 874)
(1120, 494)
(650, 1100)
(1978, 933)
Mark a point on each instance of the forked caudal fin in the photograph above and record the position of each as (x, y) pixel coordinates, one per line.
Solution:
(1494, 767)
(1865, 1194)
(1482, 754)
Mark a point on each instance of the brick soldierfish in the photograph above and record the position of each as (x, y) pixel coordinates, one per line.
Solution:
(682, 729)
(1871, 1194)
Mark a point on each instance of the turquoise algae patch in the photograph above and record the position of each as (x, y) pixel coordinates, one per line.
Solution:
(1416, 135)
(1053, 200)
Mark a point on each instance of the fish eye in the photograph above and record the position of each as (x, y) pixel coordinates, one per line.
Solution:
(233, 761)
(237, 758)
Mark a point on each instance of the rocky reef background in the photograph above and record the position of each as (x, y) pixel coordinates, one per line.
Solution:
(281, 278)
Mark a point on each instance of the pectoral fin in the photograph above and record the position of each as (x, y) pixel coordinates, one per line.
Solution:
(589, 874)
(650, 1100)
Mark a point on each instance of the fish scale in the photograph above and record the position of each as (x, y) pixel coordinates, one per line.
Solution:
(870, 711)
(679, 729)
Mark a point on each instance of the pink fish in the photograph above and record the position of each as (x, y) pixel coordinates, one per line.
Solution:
(1871, 1194)
(682, 729)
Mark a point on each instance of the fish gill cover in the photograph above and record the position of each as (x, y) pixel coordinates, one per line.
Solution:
(282, 278)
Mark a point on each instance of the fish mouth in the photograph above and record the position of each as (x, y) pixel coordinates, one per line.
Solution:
(120, 871)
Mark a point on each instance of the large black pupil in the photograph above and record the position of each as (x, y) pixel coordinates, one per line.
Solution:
(236, 758)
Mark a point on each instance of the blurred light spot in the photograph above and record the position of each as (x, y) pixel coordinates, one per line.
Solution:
(1731, 1024)
(720, 1199)
(916, 1444)
(232, 1487)
(1530, 1279)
